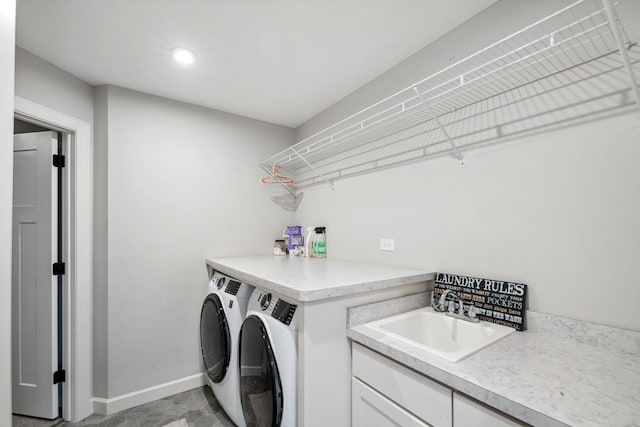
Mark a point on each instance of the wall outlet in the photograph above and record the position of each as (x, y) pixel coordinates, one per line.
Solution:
(387, 244)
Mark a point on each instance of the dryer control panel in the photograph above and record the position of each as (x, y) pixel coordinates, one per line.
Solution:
(283, 311)
(265, 301)
(270, 305)
(232, 287)
(220, 281)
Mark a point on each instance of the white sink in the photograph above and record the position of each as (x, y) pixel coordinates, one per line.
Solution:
(446, 337)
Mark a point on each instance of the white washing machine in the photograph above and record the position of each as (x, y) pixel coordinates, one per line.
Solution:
(221, 317)
(268, 358)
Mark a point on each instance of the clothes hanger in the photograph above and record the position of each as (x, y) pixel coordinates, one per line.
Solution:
(275, 178)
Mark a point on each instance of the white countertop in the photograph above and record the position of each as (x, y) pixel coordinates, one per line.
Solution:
(312, 279)
(559, 372)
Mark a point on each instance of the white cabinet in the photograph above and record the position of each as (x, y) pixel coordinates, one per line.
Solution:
(427, 399)
(467, 412)
(386, 393)
(370, 408)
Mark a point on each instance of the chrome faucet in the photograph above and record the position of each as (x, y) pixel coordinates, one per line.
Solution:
(441, 306)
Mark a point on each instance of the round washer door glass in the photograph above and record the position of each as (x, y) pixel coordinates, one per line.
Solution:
(260, 385)
(215, 340)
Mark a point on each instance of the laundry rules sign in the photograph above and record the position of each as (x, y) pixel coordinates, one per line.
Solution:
(496, 301)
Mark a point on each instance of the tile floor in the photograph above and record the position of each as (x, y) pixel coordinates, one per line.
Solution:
(194, 408)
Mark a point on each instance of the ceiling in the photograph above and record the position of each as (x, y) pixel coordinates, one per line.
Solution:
(281, 61)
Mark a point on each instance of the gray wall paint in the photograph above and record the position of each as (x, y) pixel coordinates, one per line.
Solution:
(182, 186)
(7, 43)
(41, 82)
(558, 211)
(100, 242)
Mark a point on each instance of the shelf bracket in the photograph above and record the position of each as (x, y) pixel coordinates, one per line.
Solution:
(456, 151)
(324, 178)
(622, 48)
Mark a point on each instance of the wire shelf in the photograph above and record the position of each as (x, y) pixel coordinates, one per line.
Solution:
(555, 72)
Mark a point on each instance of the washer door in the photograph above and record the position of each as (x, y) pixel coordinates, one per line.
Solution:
(260, 385)
(215, 340)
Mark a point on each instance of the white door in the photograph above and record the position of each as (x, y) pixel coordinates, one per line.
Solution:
(34, 294)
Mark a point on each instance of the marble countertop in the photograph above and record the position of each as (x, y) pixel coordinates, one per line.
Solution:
(312, 279)
(560, 372)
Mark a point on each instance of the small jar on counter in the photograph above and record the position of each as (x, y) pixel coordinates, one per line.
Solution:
(280, 247)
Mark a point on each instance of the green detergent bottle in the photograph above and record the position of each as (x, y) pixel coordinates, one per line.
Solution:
(320, 243)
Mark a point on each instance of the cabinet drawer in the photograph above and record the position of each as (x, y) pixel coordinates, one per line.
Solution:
(427, 399)
(466, 412)
(370, 408)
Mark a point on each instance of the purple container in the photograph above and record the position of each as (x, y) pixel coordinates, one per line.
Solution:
(294, 234)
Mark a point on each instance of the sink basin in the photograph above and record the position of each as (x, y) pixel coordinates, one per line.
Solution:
(446, 337)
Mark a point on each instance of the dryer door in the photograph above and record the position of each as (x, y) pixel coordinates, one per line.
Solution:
(260, 385)
(215, 340)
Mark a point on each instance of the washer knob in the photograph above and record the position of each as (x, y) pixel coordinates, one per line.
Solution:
(221, 282)
(264, 300)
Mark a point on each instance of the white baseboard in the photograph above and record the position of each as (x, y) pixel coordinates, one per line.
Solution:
(125, 401)
(99, 405)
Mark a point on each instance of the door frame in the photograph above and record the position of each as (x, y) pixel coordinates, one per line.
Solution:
(78, 286)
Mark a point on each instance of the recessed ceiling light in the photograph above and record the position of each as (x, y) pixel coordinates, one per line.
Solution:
(182, 55)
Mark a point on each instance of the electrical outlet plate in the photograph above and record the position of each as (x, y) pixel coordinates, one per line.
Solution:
(387, 244)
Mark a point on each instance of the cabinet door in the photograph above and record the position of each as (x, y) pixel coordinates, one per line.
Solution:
(428, 400)
(370, 408)
(466, 413)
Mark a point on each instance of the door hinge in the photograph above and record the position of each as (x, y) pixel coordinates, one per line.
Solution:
(58, 268)
(58, 160)
(59, 376)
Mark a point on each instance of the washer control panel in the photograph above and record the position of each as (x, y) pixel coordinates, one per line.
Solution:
(283, 311)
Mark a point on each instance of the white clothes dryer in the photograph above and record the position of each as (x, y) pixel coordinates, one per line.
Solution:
(268, 357)
(221, 317)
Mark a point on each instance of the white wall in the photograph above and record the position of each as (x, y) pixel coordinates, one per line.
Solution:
(559, 211)
(7, 43)
(182, 186)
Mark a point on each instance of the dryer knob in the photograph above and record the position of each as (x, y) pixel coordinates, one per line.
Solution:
(265, 300)
(221, 282)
